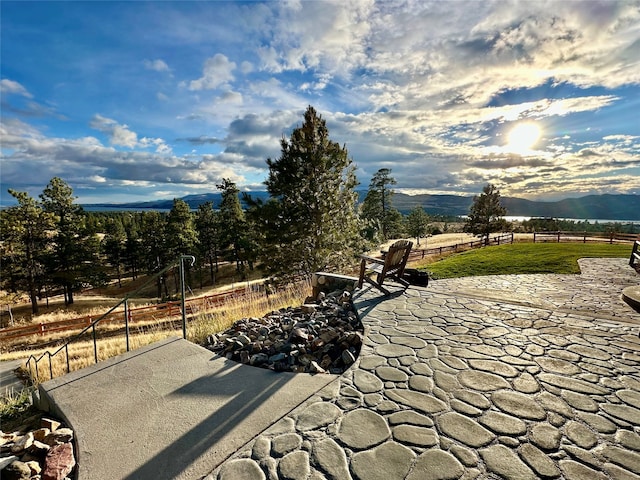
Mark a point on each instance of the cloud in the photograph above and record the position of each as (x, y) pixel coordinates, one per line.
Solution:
(156, 65)
(217, 71)
(11, 87)
(201, 140)
(234, 98)
(87, 161)
(118, 134)
(22, 103)
(158, 143)
(123, 136)
(316, 36)
(428, 89)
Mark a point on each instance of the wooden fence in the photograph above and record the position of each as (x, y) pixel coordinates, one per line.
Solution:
(459, 247)
(161, 311)
(584, 237)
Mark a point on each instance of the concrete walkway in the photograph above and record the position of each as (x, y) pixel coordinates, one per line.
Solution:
(516, 377)
(10, 384)
(172, 410)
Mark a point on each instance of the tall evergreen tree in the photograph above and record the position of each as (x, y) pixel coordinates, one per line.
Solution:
(485, 214)
(181, 235)
(25, 231)
(76, 248)
(132, 248)
(311, 216)
(234, 232)
(208, 231)
(181, 231)
(113, 245)
(154, 247)
(377, 208)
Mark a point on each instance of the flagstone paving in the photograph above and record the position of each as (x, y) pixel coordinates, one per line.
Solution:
(514, 377)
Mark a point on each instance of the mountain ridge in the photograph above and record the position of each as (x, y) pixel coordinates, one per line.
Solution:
(605, 206)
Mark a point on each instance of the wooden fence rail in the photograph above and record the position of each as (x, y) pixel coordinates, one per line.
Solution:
(458, 247)
(583, 237)
(135, 315)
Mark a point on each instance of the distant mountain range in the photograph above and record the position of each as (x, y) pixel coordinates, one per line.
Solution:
(607, 207)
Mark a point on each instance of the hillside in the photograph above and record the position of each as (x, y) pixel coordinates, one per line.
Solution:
(609, 207)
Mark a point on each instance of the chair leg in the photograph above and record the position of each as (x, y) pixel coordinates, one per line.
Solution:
(363, 267)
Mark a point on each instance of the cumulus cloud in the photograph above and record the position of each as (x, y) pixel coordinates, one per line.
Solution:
(314, 35)
(218, 70)
(88, 161)
(123, 136)
(119, 135)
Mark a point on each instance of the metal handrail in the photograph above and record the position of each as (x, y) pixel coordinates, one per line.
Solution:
(179, 262)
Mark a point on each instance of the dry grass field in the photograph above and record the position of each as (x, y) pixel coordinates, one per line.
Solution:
(111, 340)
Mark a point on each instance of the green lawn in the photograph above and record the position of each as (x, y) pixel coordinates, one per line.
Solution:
(521, 258)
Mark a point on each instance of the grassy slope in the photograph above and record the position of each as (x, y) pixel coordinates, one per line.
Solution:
(522, 258)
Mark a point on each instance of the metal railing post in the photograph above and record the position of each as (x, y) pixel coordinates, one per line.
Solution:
(95, 344)
(126, 322)
(92, 326)
(192, 259)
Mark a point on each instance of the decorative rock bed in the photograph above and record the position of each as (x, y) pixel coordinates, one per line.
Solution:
(322, 336)
(44, 453)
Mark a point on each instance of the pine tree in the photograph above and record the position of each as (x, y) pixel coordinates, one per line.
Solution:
(310, 222)
(25, 239)
(417, 223)
(76, 248)
(113, 245)
(181, 232)
(233, 225)
(377, 209)
(485, 214)
(154, 247)
(208, 231)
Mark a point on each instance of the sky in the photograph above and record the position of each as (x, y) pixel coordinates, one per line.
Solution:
(139, 101)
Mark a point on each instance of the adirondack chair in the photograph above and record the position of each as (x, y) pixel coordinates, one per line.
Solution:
(391, 266)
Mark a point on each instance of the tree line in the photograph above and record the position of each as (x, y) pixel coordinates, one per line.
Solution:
(312, 221)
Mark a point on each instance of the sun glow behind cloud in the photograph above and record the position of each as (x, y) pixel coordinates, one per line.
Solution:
(523, 137)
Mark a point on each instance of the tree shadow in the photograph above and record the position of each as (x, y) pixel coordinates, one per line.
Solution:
(244, 401)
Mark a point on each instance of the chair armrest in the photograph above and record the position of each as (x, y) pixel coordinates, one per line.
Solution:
(372, 259)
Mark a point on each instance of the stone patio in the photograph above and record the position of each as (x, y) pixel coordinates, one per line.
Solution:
(515, 377)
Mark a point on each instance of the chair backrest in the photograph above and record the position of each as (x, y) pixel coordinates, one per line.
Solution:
(397, 256)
